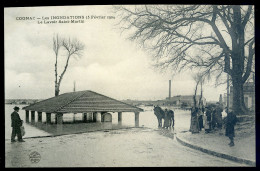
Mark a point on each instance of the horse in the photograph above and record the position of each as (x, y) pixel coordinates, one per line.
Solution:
(160, 114)
(170, 115)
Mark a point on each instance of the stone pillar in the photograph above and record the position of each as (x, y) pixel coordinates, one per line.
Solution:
(39, 116)
(95, 117)
(89, 117)
(32, 116)
(48, 118)
(74, 117)
(27, 116)
(102, 117)
(137, 119)
(56, 118)
(119, 117)
(84, 117)
(98, 117)
(59, 117)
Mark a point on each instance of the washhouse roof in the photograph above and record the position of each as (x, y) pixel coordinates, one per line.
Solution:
(81, 102)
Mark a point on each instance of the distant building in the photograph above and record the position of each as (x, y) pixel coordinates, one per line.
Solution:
(249, 95)
(186, 99)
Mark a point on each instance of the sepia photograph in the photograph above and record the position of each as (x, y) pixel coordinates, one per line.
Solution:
(140, 85)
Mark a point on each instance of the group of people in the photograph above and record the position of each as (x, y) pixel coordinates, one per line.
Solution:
(210, 118)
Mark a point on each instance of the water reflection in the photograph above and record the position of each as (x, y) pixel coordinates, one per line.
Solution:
(40, 128)
(67, 128)
(167, 132)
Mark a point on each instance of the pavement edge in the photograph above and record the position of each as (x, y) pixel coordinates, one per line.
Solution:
(217, 154)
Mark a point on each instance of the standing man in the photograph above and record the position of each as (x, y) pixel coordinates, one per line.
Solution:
(166, 119)
(194, 125)
(16, 124)
(219, 110)
(208, 119)
(230, 130)
(200, 119)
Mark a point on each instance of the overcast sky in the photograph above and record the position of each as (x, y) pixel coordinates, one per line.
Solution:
(110, 65)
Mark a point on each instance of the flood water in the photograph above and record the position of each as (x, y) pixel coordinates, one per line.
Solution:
(146, 119)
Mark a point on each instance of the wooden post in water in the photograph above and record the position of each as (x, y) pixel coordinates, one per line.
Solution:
(48, 118)
(27, 116)
(39, 116)
(33, 116)
(136, 119)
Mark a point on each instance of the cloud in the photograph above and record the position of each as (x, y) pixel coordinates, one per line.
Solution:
(110, 65)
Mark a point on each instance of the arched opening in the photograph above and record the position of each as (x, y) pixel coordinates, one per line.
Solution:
(106, 117)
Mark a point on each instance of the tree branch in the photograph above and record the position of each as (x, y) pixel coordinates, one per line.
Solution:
(246, 18)
(249, 62)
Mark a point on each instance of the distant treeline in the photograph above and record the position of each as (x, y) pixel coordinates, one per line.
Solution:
(22, 101)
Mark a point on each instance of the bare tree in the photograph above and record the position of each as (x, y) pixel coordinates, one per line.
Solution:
(213, 38)
(72, 48)
(201, 104)
(199, 79)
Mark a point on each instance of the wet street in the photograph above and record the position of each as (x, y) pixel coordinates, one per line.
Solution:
(115, 148)
(108, 144)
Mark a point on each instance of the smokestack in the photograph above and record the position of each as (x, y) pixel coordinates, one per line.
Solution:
(74, 86)
(169, 89)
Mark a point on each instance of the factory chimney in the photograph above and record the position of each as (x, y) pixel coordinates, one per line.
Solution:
(74, 89)
(169, 89)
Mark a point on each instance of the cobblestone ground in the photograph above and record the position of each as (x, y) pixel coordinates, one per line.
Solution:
(126, 147)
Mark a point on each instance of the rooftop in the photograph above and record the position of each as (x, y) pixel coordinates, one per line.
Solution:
(185, 97)
(81, 101)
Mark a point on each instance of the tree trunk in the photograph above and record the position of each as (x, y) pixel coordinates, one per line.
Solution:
(243, 105)
(195, 94)
(238, 96)
(238, 58)
(57, 90)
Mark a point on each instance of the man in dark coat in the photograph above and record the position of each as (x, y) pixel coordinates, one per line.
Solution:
(166, 119)
(200, 119)
(208, 115)
(230, 130)
(214, 118)
(16, 124)
(219, 110)
(194, 124)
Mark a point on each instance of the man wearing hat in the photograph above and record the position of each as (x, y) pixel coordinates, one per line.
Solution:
(230, 123)
(16, 124)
